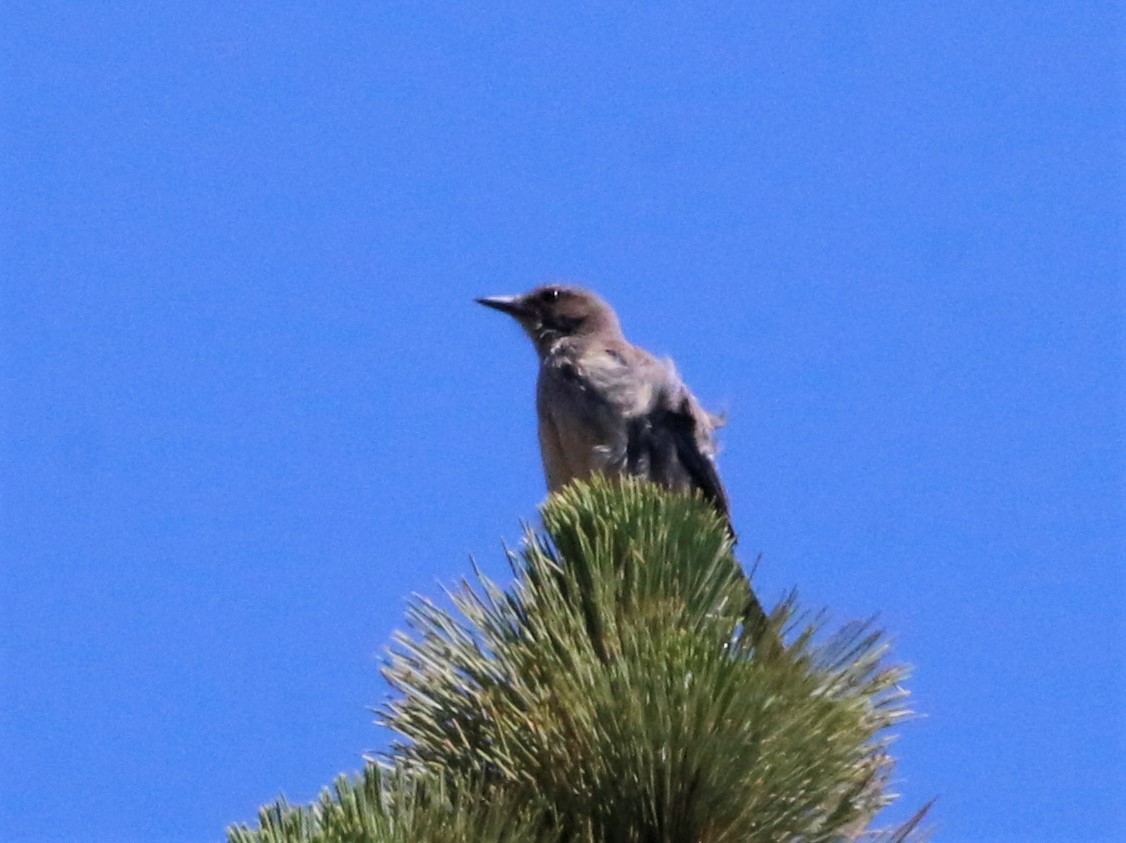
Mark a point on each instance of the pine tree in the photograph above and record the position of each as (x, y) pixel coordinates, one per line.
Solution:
(615, 693)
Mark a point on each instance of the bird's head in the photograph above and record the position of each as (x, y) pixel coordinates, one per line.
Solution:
(556, 311)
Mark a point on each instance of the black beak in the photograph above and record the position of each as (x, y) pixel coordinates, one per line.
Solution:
(512, 305)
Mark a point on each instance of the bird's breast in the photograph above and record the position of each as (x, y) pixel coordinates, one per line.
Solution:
(582, 430)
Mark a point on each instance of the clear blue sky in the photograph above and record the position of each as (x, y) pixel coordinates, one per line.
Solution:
(247, 404)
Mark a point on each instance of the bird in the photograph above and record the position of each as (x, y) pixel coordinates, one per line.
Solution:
(606, 406)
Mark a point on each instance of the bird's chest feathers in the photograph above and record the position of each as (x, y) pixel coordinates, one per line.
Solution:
(568, 398)
(594, 384)
(586, 401)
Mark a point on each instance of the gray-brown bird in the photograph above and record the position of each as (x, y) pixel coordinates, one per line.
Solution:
(607, 406)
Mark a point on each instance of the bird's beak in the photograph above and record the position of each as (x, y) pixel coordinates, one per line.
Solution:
(512, 305)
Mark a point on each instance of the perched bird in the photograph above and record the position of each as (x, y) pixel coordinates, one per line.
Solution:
(607, 406)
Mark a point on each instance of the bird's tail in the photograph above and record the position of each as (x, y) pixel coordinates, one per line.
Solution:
(762, 628)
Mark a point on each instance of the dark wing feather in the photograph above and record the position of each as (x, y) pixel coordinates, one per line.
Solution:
(664, 446)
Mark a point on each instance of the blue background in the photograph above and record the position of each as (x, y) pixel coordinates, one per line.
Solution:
(248, 405)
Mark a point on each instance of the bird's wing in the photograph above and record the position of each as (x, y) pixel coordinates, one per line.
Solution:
(668, 435)
(671, 445)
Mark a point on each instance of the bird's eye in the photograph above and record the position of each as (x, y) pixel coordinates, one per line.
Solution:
(551, 294)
